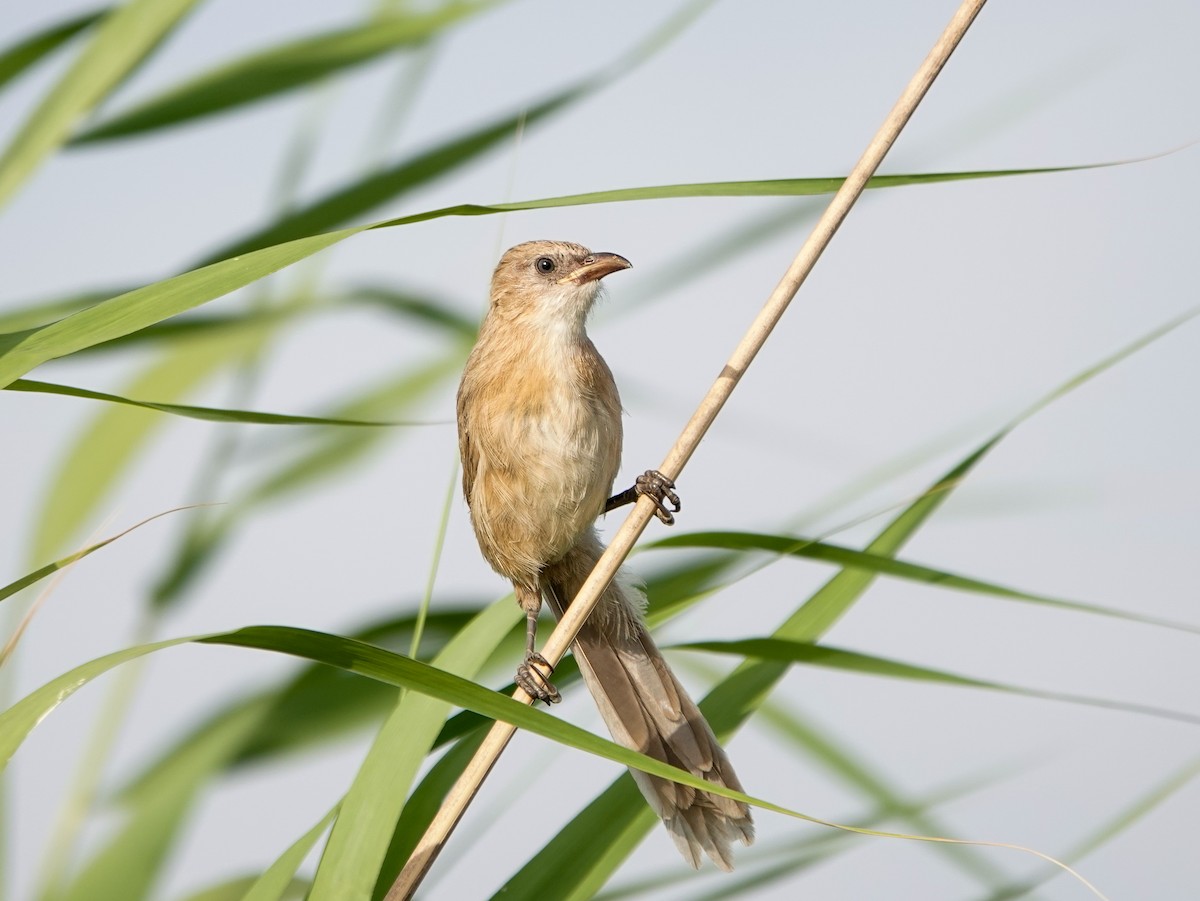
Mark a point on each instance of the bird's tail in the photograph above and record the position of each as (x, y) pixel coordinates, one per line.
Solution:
(646, 709)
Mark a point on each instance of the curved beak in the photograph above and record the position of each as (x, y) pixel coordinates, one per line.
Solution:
(595, 266)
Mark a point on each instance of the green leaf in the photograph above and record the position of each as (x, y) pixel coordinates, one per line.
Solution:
(26, 53)
(374, 663)
(268, 73)
(362, 834)
(122, 40)
(209, 414)
(577, 862)
(867, 664)
(22, 351)
(839, 555)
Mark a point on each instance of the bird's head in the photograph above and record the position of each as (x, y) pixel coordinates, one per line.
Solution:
(551, 284)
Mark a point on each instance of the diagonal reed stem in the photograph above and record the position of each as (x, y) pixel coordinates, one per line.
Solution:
(468, 784)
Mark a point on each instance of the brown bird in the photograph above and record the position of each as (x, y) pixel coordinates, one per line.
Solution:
(539, 432)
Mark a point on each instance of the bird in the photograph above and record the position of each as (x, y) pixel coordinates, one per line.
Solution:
(540, 435)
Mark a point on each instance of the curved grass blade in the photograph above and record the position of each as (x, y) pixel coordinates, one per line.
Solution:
(22, 351)
(577, 862)
(208, 414)
(361, 836)
(122, 40)
(840, 555)
(268, 73)
(19, 57)
(276, 883)
(868, 664)
(394, 669)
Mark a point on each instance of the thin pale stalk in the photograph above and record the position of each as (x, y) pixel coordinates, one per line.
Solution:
(560, 640)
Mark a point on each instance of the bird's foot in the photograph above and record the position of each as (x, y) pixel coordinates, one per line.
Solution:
(660, 489)
(533, 676)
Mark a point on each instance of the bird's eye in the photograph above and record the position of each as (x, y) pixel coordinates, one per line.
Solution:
(544, 265)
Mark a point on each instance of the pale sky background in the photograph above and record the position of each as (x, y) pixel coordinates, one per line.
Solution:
(937, 313)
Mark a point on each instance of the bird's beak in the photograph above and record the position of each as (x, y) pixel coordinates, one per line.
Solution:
(595, 267)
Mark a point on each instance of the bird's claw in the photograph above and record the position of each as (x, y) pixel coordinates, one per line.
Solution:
(656, 486)
(533, 676)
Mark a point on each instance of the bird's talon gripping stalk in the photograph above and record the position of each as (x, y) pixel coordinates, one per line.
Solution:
(657, 487)
(534, 678)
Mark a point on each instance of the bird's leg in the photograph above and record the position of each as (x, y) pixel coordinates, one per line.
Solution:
(533, 675)
(654, 485)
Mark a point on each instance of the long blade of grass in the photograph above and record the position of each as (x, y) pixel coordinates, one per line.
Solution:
(376, 663)
(22, 351)
(839, 555)
(124, 38)
(269, 73)
(208, 414)
(577, 862)
(31, 50)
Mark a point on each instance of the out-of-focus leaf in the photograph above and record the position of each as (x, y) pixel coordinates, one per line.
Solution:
(25, 53)
(268, 73)
(107, 446)
(209, 414)
(50, 568)
(361, 836)
(122, 40)
(868, 664)
(415, 307)
(129, 863)
(577, 862)
(839, 555)
(276, 883)
(331, 454)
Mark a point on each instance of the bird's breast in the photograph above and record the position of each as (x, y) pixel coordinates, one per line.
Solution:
(548, 433)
